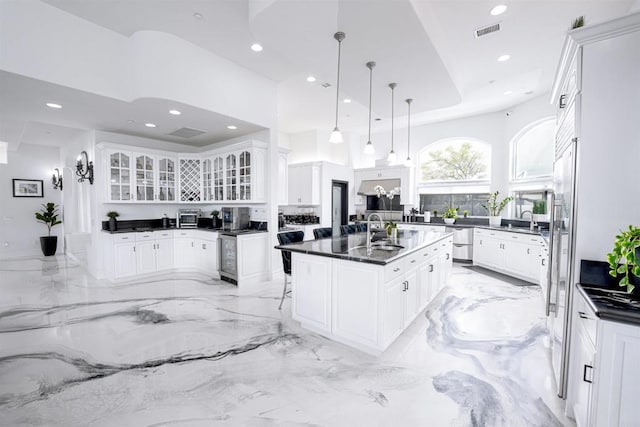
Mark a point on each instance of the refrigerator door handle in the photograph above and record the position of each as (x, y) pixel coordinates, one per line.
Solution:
(548, 308)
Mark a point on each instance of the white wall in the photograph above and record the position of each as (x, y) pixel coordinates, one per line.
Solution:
(314, 146)
(19, 231)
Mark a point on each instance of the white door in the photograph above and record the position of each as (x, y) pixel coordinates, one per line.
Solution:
(207, 255)
(164, 254)
(125, 259)
(184, 253)
(336, 211)
(517, 260)
(146, 257)
(393, 320)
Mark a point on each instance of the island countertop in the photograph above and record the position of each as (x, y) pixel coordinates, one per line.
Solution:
(352, 247)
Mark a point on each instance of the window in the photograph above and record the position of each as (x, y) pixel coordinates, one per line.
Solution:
(458, 159)
(533, 151)
(464, 202)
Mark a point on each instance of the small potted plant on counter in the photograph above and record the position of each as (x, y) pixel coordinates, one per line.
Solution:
(392, 229)
(450, 214)
(113, 222)
(625, 258)
(49, 217)
(465, 213)
(494, 208)
(539, 210)
(435, 213)
(217, 223)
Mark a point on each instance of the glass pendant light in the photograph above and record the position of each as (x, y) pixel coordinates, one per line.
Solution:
(336, 135)
(369, 149)
(391, 158)
(408, 161)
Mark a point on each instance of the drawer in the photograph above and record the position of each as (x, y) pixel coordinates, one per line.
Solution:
(165, 234)
(211, 236)
(395, 269)
(148, 235)
(184, 233)
(464, 252)
(414, 260)
(124, 237)
(586, 318)
(461, 235)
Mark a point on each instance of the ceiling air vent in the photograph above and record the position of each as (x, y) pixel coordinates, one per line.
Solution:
(187, 132)
(325, 85)
(486, 30)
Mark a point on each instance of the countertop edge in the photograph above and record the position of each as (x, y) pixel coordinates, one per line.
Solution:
(618, 315)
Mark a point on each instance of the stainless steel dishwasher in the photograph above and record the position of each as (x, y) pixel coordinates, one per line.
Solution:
(462, 243)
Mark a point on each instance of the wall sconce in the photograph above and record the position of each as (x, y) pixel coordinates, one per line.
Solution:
(56, 179)
(84, 168)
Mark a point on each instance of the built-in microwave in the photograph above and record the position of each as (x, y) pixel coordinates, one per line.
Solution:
(187, 218)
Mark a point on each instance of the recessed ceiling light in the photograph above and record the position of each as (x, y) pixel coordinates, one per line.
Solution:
(529, 92)
(131, 121)
(256, 47)
(346, 101)
(53, 105)
(504, 58)
(498, 10)
(150, 125)
(175, 112)
(311, 79)
(232, 127)
(508, 92)
(197, 15)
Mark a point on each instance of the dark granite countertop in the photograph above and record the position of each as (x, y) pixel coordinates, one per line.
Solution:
(609, 304)
(240, 232)
(352, 247)
(513, 229)
(152, 229)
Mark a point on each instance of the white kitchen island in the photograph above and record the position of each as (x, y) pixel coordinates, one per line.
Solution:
(367, 298)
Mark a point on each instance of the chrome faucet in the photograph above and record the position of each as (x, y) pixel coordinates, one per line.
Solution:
(369, 227)
(532, 223)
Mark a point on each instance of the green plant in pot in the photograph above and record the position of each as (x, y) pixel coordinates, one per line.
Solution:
(624, 257)
(450, 214)
(217, 222)
(539, 210)
(49, 217)
(113, 223)
(391, 227)
(494, 207)
(465, 213)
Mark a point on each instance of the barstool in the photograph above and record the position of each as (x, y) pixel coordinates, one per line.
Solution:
(284, 239)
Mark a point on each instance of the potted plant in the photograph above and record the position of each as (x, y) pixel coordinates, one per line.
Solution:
(539, 210)
(450, 214)
(392, 229)
(49, 217)
(113, 223)
(625, 257)
(465, 213)
(494, 207)
(217, 223)
(435, 213)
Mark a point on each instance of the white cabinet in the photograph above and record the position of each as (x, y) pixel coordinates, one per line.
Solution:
(118, 174)
(516, 254)
(304, 184)
(604, 374)
(146, 257)
(130, 254)
(124, 257)
(283, 177)
(144, 171)
(196, 249)
(365, 305)
(217, 185)
(244, 174)
(167, 178)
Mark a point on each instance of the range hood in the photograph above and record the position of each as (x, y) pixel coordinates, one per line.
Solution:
(367, 187)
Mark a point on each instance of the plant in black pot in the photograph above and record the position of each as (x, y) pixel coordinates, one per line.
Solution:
(113, 222)
(624, 259)
(217, 222)
(49, 217)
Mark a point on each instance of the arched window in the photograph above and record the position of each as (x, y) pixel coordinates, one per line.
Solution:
(455, 172)
(532, 154)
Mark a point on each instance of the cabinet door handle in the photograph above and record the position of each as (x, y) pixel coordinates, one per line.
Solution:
(562, 102)
(584, 374)
(448, 256)
(543, 262)
(514, 237)
(582, 315)
(125, 238)
(413, 261)
(192, 244)
(480, 242)
(134, 249)
(430, 268)
(528, 251)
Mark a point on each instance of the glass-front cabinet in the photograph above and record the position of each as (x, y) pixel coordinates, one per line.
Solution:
(218, 178)
(167, 175)
(119, 173)
(244, 176)
(207, 180)
(145, 178)
(230, 172)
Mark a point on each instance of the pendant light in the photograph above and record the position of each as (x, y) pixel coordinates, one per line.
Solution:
(408, 161)
(336, 135)
(369, 149)
(391, 158)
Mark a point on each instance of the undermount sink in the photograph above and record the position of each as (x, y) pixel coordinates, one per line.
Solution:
(378, 247)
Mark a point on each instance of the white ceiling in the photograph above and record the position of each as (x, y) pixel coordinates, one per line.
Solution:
(427, 47)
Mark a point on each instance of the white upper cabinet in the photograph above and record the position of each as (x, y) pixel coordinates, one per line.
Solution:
(304, 184)
(235, 174)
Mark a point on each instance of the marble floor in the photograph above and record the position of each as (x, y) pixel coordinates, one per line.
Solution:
(185, 350)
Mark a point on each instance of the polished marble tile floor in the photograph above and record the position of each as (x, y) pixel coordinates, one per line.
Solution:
(185, 350)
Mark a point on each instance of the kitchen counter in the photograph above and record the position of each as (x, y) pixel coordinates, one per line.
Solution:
(609, 304)
(352, 247)
(152, 229)
(514, 229)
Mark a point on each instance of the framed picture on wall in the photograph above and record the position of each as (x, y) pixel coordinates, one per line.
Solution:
(27, 188)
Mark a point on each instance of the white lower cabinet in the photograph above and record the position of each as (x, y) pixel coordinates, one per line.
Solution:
(184, 249)
(196, 249)
(515, 254)
(124, 258)
(604, 380)
(365, 305)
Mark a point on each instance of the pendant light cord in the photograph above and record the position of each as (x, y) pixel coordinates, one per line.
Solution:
(338, 81)
(370, 91)
(409, 129)
(392, 90)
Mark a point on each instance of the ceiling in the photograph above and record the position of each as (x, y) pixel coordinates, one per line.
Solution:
(427, 47)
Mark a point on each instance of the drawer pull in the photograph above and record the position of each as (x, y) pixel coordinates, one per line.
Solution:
(528, 251)
(396, 269)
(448, 256)
(514, 237)
(582, 315)
(125, 238)
(584, 374)
(413, 261)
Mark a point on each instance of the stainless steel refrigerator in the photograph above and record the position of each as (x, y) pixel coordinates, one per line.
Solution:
(561, 276)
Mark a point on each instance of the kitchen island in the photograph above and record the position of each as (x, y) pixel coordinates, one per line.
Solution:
(366, 297)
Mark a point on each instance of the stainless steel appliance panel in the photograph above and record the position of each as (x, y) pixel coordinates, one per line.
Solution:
(235, 218)
(228, 257)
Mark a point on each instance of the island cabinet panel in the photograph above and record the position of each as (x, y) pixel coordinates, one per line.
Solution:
(311, 278)
(394, 309)
(355, 302)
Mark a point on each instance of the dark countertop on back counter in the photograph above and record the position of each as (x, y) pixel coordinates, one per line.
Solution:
(352, 247)
(152, 229)
(514, 229)
(614, 305)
